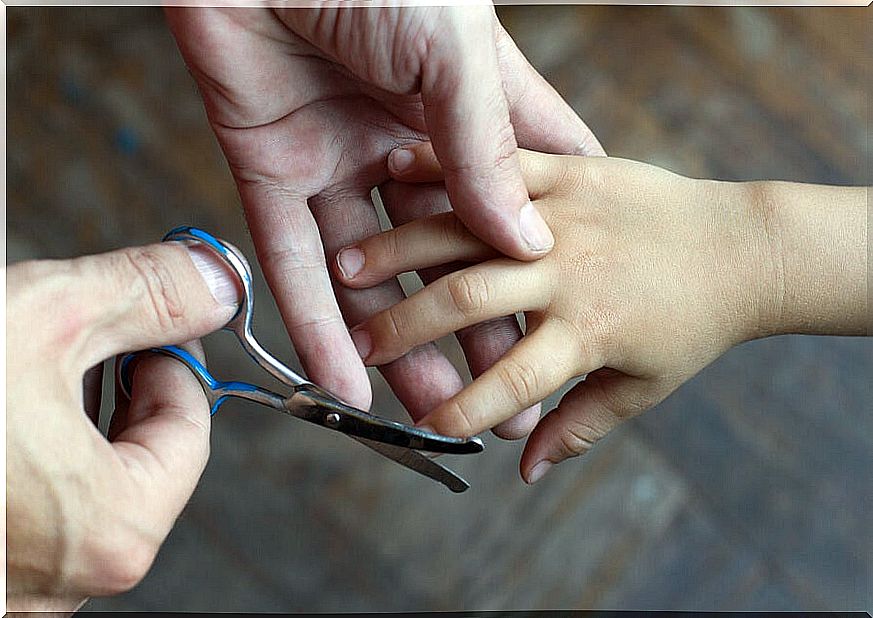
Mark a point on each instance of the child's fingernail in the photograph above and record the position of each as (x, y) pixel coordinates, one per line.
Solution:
(220, 281)
(400, 160)
(363, 342)
(538, 471)
(534, 230)
(350, 261)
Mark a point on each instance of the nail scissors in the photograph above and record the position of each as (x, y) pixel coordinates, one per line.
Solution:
(306, 401)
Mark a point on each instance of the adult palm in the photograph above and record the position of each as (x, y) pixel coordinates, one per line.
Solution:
(308, 103)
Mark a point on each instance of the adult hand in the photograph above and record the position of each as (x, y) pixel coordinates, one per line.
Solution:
(86, 515)
(306, 105)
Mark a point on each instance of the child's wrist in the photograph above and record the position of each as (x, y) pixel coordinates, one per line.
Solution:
(813, 264)
(747, 252)
(768, 258)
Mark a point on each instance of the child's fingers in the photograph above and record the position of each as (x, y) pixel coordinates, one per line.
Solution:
(418, 163)
(476, 294)
(422, 243)
(415, 163)
(483, 344)
(531, 371)
(586, 414)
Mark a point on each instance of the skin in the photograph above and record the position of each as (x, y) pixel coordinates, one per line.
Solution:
(86, 514)
(307, 104)
(652, 277)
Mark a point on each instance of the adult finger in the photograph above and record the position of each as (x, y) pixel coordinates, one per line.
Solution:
(468, 120)
(584, 416)
(290, 252)
(482, 343)
(531, 371)
(140, 297)
(417, 163)
(542, 119)
(423, 378)
(164, 444)
(118, 421)
(476, 294)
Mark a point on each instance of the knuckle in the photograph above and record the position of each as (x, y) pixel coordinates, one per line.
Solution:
(491, 334)
(614, 404)
(393, 245)
(153, 280)
(519, 426)
(628, 403)
(112, 558)
(293, 258)
(588, 145)
(394, 324)
(454, 235)
(315, 323)
(461, 419)
(126, 564)
(578, 437)
(102, 550)
(520, 380)
(502, 148)
(198, 425)
(469, 293)
(451, 231)
(505, 140)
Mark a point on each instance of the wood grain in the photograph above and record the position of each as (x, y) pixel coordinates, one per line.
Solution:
(749, 488)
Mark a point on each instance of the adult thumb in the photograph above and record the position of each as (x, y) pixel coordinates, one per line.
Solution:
(138, 297)
(468, 121)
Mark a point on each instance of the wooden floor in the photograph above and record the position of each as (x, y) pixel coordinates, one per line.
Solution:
(750, 488)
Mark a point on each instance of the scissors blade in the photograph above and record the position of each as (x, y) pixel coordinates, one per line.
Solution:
(418, 462)
(315, 405)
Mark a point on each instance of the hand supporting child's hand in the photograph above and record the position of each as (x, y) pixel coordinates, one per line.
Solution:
(652, 277)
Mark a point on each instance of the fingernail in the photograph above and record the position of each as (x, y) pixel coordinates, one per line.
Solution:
(218, 278)
(350, 261)
(538, 471)
(534, 230)
(426, 428)
(400, 160)
(363, 342)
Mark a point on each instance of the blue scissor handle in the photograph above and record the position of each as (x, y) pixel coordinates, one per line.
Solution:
(216, 391)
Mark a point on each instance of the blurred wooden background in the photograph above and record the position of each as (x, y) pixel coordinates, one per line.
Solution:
(750, 488)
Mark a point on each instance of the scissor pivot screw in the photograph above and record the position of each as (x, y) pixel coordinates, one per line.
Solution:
(332, 419)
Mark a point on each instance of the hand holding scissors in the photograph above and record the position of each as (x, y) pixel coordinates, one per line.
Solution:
(86, 512)
(305, 400)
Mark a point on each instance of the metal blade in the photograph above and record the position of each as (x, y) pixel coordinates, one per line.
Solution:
(312, 404)
(418, 462)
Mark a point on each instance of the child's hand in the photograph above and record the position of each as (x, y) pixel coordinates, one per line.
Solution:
(652, 276)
